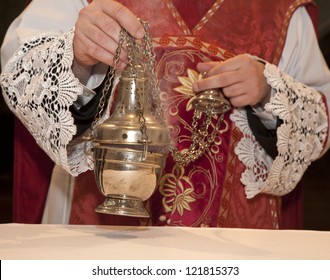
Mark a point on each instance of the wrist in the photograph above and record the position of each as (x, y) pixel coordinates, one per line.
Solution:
(81, 72)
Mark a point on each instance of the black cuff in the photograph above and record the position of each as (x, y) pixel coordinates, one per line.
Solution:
(267, 138)
(84, 117)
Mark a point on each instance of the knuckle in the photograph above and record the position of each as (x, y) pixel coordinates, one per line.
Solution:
(108, 25)
(100, 40)
(83, 13)
(94, 51)
(224, 80)
(119, 10)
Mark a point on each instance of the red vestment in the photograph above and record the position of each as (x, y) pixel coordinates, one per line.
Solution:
(209, 191)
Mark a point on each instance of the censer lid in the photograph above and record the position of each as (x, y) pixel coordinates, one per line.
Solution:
(133, 71)
(128, 125)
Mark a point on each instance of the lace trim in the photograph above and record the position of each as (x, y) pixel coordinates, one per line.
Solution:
(39, 87)
(252, 155)
(301, 137)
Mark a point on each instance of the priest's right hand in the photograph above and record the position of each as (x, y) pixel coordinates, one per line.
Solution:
(97, 32)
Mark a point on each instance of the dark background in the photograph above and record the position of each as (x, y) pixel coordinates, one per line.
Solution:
(316, 195)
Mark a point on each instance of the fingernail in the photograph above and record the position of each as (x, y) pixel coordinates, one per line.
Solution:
(140, 33)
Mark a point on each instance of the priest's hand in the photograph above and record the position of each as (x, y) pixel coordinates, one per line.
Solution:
(241, 79)
(97, 31)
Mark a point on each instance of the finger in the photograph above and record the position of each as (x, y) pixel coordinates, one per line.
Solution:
(206, 66)
(89, 52)
(218, 74)
(103, 39)
(230, 65)
(124, 17)
(93, 21)
(233, 90)
(239, 101)
(218, 81)
(239, 97)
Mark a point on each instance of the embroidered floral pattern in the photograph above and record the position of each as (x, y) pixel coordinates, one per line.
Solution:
(176, 186)
(175, 196)
(186, 86)
(187, 82)
(186, 89)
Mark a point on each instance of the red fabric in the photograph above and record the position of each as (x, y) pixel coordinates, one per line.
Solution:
(313, 12)
(218, 197)
(258, 32)
(292, 209)
(196, 9)
(32, 172)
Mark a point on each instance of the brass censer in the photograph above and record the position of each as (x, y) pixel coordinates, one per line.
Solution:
(131, 146)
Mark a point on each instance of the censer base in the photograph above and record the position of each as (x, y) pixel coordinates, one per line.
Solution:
(123, 206)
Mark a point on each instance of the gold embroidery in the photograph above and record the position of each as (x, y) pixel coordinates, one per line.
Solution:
(200, 24)
(189, 41)
(175, 196)
(207, 16)
(187, 82)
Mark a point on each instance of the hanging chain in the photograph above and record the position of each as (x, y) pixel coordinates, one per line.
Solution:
(149, 63)
(133, 50)
(108, 84)
(146, 58)
(135, 53)
(201, 138)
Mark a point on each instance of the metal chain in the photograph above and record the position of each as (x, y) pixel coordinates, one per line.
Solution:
(133, 50)
(108, 83)
(201, 138)
(134, 54)
(150, 63)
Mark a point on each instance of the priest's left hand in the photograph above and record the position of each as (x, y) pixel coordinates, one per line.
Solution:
(241, 79)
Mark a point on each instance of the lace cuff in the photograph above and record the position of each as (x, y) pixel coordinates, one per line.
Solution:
(39, 87)
(301, 137)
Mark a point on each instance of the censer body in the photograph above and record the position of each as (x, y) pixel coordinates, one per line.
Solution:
(130, 149)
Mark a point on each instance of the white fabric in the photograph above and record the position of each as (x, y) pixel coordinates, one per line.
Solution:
(49, 88)
(70, 242)
(301, 59)
(61, 193)
(301, 137)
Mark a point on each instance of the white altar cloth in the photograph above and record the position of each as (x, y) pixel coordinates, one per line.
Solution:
(76, 242)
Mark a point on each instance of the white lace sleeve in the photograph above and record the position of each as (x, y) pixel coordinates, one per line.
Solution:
(39, 87)
(301, 137)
